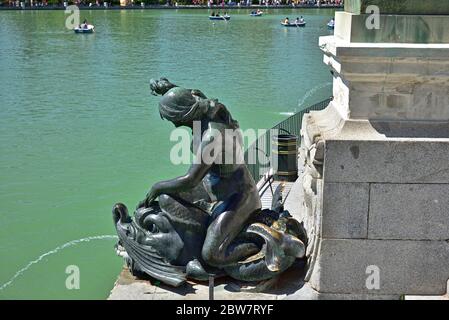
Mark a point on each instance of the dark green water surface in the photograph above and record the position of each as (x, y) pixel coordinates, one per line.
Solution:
(80, 131)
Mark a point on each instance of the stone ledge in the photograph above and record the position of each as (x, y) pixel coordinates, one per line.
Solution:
(338, 47)
(405, 267)
(389, 81)
(424, 29)
(290, 284)
(418, 7)
(128, 287)
(388, 161)
(331, 124)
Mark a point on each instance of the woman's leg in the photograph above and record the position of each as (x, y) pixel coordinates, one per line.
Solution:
(219, 249)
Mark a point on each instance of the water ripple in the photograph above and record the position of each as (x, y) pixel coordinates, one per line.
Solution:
(55, 250)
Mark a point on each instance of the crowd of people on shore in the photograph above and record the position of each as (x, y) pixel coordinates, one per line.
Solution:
(167, 3)
(313, 3)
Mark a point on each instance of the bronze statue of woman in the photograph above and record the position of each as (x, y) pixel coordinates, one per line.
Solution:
(223, 173)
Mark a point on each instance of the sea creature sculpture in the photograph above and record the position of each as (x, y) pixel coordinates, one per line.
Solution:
(208, 221)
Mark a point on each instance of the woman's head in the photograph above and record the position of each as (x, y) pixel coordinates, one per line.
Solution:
(183, 106)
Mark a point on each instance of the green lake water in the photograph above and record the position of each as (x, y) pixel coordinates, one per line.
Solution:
(80, 131)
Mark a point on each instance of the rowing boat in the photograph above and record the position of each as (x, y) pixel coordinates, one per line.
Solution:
(226, 17)
(299, 24)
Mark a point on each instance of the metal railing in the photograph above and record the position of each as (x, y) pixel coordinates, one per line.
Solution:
(257, 156)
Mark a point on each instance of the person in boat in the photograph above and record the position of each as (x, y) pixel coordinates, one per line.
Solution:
(213, 14)
(286, 21)
(85, 24)
(297, 20)
(301, 20)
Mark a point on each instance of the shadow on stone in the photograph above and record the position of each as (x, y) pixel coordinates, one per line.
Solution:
(412, 129)
(288, 283)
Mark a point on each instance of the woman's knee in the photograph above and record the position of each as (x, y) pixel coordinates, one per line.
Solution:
(207, 255)
(220, 234)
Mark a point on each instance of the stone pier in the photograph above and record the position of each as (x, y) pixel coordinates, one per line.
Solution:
(374, 195)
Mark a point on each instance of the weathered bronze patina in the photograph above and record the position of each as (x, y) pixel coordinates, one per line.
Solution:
(209, 221)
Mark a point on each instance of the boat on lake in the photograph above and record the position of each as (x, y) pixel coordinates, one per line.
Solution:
(257, 13)
(84, 28)
(225, 17)
(299, 24)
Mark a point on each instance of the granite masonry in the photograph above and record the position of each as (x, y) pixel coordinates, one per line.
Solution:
(375, 187)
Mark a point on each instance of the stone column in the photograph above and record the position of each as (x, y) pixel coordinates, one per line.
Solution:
(376, 183)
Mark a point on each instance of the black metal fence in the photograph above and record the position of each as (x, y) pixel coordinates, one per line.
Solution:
(257, 156)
